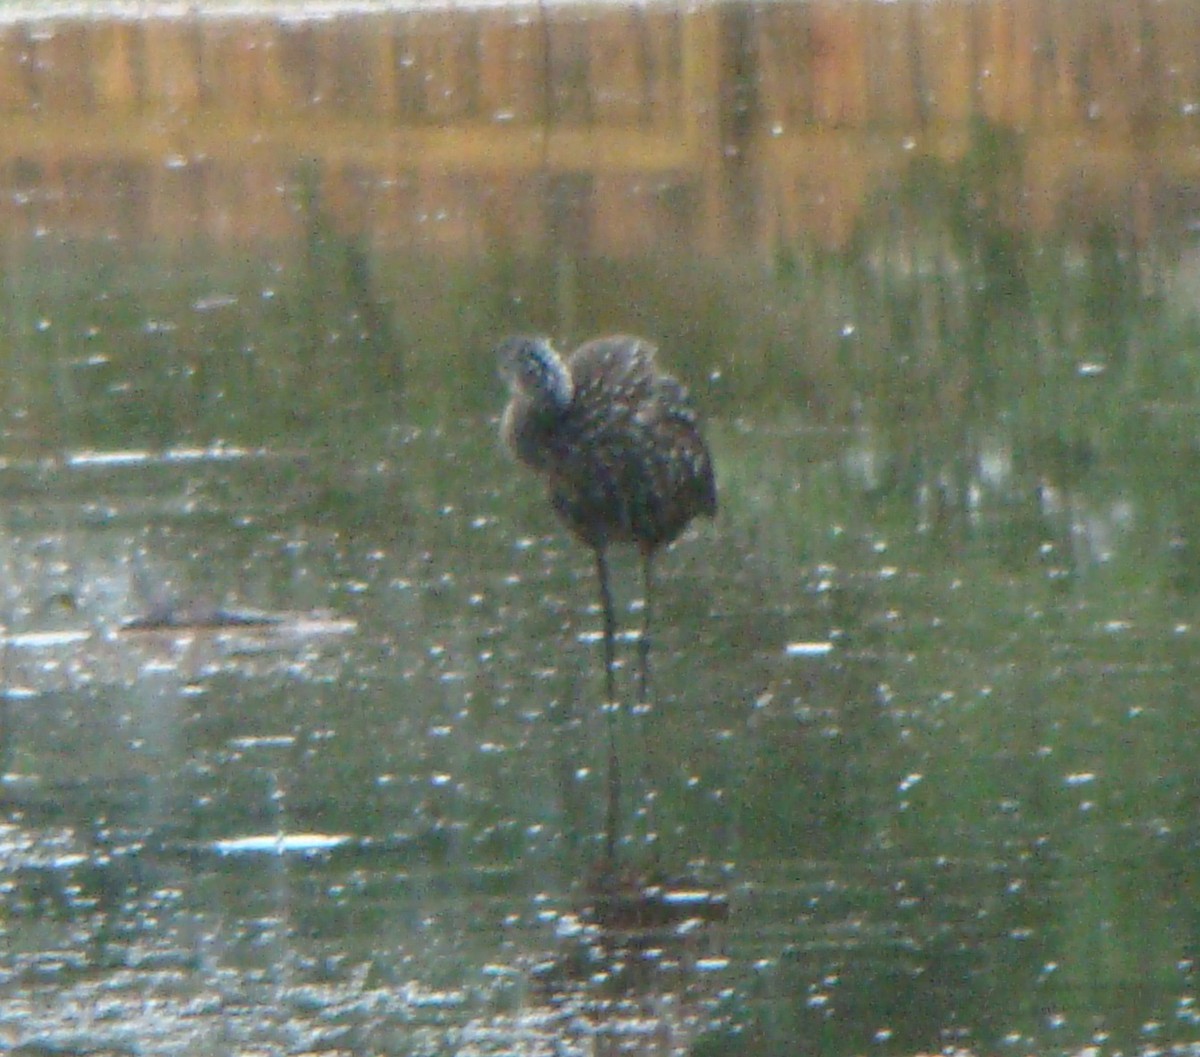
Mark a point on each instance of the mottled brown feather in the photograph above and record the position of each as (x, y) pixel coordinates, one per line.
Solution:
(625, 461)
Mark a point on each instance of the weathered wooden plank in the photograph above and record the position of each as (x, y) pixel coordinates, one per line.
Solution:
(664, 57)
(1062, 91)
(1177, 59)
(568, 86)
(358, 66)
(618, 62)
(17, 55)
(839, 58)
(296, 79)
(117, 66)
(62, 66)
(783, 41)
(891, 38)
(946, 80)
(1021, 97)
(512, 70)
(237, 62)
(172, 52)
(445, 50)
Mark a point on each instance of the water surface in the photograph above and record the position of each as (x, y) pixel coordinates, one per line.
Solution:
(923, 687)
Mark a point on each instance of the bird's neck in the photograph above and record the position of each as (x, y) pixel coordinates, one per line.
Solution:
(554, 389)
(526, 428)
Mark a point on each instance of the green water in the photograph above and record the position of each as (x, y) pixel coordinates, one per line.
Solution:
(924, 686)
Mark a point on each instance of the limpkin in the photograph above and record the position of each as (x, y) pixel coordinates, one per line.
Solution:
(621, 452)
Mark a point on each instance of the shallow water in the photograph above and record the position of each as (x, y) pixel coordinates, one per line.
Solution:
(920, 768)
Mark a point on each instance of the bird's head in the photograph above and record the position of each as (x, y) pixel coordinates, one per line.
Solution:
(531, 367)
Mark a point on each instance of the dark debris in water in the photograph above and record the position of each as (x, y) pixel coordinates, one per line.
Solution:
(624, 902)
(203, 618)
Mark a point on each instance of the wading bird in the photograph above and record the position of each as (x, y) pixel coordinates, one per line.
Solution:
(619, 448)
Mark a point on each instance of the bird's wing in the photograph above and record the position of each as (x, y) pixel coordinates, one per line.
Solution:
(622, 359)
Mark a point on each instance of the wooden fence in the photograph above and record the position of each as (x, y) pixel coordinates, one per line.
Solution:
(610, 129)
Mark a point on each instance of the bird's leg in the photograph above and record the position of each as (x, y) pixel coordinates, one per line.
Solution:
(644, 640)
(610, 629)
(649, 793)
(613, 815)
